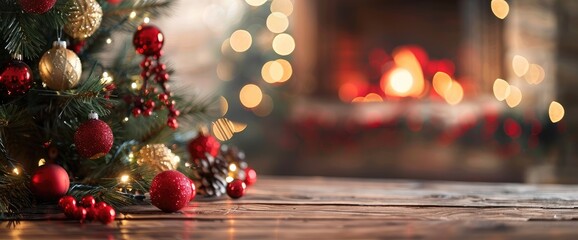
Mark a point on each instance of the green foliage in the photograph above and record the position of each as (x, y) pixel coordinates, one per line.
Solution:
(41, 124)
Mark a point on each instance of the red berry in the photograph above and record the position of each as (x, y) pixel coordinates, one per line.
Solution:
(110, 87)
(236, 189)
(147, 112)
(150, 104)
(100, 205)
(106, 215)
(65, 201)
(136, 112)
(174, 113)
(88, 201)
(80, 213)
(163, 97)
(172, 123)
(69, 211)
(91, 213)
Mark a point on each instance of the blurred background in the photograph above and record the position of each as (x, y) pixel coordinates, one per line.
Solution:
(472, 90)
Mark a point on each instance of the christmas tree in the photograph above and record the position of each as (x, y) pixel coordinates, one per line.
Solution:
(75, 123)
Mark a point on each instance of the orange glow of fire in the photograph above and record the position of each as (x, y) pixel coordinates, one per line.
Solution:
(406, 78)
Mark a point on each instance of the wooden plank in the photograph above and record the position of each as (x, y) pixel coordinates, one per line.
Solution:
(329, 208)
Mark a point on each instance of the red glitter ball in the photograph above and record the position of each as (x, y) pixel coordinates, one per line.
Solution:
(15, 78)
(170, 191)
(93, 139)
(148, 40)
(36, 6)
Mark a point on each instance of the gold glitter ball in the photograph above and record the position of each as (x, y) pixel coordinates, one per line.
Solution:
(60, 68)
(83, 19)
(157, 156)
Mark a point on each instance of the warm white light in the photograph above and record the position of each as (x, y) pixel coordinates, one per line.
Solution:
(283, 6)
(229, 179)
(250, 95)
(240, 40)
(400, 80)
(501, 89)
(41, 162)
(108, 41)
(132, 14)
(454, 94)
(134, 85)
(124, 178)
(125, 119)
(106, 78)
(500, 8)
(442, 82)
(283, 44)
(224, 105)
(16, 171)
(277, 22)
(535, 74)
(556, 112)
(515, 97)
(232, 167)
(287, 70)
(255, 3)
(146, 20)
(520, 65)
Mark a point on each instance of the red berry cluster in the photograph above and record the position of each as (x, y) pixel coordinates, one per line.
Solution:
(148, 41)
(87, 209)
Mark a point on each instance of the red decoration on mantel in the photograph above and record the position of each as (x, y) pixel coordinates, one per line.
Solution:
(106, 214)
(49, 182)
(148, 40)
(203, 144)
(236, 189)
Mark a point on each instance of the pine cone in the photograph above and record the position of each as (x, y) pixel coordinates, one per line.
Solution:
(211, 173)
(233, 155)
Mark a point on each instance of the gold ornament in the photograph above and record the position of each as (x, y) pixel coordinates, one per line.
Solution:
(60, 68)
(83, 19)
(157, 156)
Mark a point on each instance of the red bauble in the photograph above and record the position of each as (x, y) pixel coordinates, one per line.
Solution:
(250, 176)
(203, 144)
(114, 2)
(236, 189)
(49, 182)
(88, 201)
(15, 78)
(80, 213)
(148, 40)
(93, 139)
(65, 201)
(170, 191)
(69, 211)
(36, 6)
(194, 190)
(106, 214)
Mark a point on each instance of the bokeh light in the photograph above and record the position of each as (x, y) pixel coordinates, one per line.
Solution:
(265, 107)
(282, 6)
(255, 3)
(373, 97)
(501, 89)
(225, 71)
(515, 96)
(250, 95)
(224, 105)
(520, 65)
(277, 22)
(347, 92)
(500, 8)
(401, 81)
(454, 94)
(240, 40)
(223, 129)
(283, 44)
(442, 82)
(535, 74)
(287, 70)
(555, 111)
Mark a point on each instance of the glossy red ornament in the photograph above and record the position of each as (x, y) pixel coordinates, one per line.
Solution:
(114, 2)
(80, 213)
(15, 78)
(93, 138)
(36, 6)
(148, 40)
(250, 176)
(69, 211)
(65, 201)
(236, 189)
(194, 190)
(49, 182)
(106, 214)
(203, 144)
(170, 191)
(88, 201)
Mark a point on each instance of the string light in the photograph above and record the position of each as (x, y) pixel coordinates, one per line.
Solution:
(255, 3)
(132, 14)
(250, 95)
(515, 97)
(229, 179)
(283, 44)
(501, 89)
(500, 8)
(124, 178)
(106, 78)
(520, 65)
(41, 162)
(555, 112)
(277, 22)
(146, 20)
(16, 171)
(232, 167)
(224, 105)
(240, 40)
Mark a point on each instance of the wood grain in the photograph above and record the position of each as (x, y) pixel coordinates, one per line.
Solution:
(330, 208)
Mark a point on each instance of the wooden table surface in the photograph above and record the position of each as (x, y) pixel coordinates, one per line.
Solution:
(332, 208)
